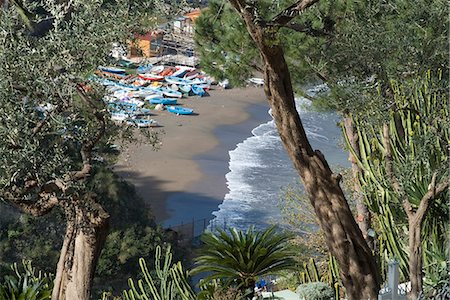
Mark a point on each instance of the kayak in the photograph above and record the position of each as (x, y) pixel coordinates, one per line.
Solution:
(180, 110)
(164, 101)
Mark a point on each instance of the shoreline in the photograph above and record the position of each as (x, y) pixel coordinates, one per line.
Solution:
(176, 168)
(203, 197)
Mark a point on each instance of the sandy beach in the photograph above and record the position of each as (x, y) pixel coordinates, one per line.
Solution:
(191, 162)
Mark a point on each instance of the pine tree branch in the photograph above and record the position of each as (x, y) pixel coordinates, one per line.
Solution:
(291, 12)
(306, 29)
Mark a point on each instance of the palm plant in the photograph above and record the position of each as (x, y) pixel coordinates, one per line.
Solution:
(238, 258)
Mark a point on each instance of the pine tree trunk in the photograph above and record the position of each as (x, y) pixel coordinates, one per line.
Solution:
(345, 241)
(415, 258)
(86, 232)
(363, 217)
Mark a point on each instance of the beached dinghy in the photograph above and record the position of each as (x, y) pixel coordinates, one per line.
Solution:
(180, 110)
(144, 69)
(256, 81)
(111, 70)
(151, 76)
(142, 123)
(191, 75)
(168, 92)
(185, 89)
(181, 70)
(119, 116)
(198, 90)
(161, 100)
(177, 80)
(156, 69)
(126, 63)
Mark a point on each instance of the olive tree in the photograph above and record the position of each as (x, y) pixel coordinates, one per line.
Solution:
(54, 124)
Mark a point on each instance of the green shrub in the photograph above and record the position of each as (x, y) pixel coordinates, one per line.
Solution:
(315, 291)
(26, 284)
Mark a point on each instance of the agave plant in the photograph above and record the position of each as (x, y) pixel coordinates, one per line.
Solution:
(238, 258)
(26, 283)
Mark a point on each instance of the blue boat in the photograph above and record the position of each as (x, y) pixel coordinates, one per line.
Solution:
(180, 110)
(126, 63)
(161, 100)
(185, 89)
(198, 90)
(169, 92)
(177, 80)
(112, 70)
(144, 68)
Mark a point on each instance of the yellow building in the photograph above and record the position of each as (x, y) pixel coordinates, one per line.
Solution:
(146, 45)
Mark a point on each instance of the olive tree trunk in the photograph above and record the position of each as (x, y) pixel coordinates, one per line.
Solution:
(87, 227)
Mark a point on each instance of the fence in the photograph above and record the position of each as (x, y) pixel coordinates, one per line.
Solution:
(191, 231)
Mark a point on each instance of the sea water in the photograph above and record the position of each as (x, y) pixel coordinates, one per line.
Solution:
(260, 168)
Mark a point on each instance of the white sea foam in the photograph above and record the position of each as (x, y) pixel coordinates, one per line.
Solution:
(259, 168)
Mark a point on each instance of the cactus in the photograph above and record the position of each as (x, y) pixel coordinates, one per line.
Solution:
(311, 274)
(417, 124)
(172, 281)
(26, 284)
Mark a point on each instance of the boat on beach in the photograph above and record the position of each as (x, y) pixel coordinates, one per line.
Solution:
(119, 116)
(164, 101)
(185, 89)
(112, 70)
(181, 70)
(168, 92)
(144, 69)
(256, 81)
(151, 76)
(142, 123)
(156, 69)
(177, 80)
(198, 90)
(180, 110)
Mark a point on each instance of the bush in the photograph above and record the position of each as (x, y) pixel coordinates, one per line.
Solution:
(315, 291)
(26, 283)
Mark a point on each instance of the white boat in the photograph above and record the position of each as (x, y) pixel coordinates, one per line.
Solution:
(142, 123)
(181, 70)
(112, 70)
(185, 89)
(225, 83)
(177, 80)
(119, 116)
(256, 81)
(156, 69)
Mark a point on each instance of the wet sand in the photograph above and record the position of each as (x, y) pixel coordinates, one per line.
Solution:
(185, 178)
